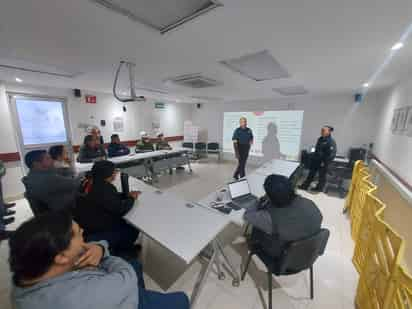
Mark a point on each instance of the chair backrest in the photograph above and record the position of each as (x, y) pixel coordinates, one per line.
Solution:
(302, 254)
(356, 154)
(200, 146)
(37, 207)
(187, 145)
(213, 146)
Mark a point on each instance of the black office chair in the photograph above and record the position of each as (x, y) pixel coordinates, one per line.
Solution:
(214, 147)
(200, 147)
(296, 257)
(187, 145)
(36, 206)
(356, 154)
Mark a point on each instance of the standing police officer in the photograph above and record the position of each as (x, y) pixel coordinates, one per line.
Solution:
(242, 140)
(324, 154)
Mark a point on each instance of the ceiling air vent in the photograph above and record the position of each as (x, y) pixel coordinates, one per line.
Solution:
(259, 66)
(162, 15)
(194, 81)
(291, 91)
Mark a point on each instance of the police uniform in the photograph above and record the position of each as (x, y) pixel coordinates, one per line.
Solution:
(324, 154)
(243, 137)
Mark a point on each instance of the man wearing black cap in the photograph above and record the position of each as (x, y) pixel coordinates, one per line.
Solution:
(100, 213)
(325, 152)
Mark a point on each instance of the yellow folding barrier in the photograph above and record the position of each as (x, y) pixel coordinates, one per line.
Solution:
(400, 295)
(367, 226)
(356, 211)
(354, 181)
(353, 210)
(383, 254)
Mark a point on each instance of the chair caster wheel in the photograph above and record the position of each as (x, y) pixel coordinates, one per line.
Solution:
(235, 283)
(221, 276)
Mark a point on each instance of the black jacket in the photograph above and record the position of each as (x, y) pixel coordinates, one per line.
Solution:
(117, 150)
(87, 155)
(102, 208)
(326, 149)
(274, 227)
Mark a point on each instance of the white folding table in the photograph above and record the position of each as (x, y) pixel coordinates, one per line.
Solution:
(182, 227)
(280, 167)
(256, 180)
(144, 157)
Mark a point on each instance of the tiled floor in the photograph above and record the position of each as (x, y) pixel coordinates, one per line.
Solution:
(335, 277)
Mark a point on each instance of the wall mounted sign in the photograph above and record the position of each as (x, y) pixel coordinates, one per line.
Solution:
(90, 99)
(160, 105)
(402, 121)
(118, 124)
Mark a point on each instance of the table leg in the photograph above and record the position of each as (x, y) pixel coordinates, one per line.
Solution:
(220, 273)
(188, 163)
(202, 277)
(235, 275)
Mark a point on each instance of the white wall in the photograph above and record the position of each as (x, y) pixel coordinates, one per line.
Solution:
(11, 182)
(139, 116)
(394, 150)
(354, 123)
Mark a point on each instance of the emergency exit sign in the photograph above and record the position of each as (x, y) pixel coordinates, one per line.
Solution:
(91, 99)
(159, 105)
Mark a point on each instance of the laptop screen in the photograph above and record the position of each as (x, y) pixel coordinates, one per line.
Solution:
(239, 188)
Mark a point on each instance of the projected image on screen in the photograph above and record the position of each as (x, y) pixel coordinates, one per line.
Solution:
(41, 122)
(276, 133)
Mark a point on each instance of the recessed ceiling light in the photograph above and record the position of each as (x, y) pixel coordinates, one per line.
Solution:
(397, 46)
(365, 85)
(19, 80)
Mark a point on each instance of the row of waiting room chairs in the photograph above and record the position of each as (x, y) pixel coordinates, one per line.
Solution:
(199, 148)
(384, 283)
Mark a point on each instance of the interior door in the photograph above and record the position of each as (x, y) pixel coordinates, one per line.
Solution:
(40, 122)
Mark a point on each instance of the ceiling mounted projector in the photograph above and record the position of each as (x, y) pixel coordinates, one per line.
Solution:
(132, 97)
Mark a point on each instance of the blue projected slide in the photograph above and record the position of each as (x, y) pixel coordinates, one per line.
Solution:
(41, 122)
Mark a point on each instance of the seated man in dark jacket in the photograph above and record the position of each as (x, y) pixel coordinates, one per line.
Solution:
(144, 145)
(47, 186)
(116, 149)
(282, 216)
(53, 268)
(91, 150)
(100, 212)
(162, 143)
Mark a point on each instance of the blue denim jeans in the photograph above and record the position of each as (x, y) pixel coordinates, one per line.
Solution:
(155, 300)
(120, 237)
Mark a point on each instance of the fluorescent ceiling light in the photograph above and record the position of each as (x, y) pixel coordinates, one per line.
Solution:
(365, 85)
(397, 46)
(291, 91)
(19, 80)
(259, 66)
(25, 66)
(162, 15)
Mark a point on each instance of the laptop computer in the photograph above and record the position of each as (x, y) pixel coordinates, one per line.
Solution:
(241, 195)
